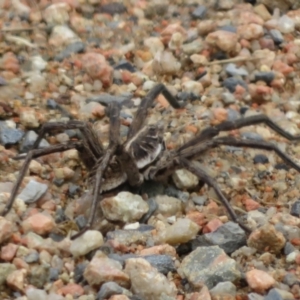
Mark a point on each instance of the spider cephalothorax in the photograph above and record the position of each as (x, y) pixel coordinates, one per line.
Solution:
(143, 155)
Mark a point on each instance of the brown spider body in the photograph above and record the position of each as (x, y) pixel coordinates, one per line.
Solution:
(143, 155)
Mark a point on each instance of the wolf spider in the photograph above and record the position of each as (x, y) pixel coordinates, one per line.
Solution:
(143, 156)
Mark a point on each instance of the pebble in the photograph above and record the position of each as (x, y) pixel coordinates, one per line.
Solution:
(38, 223)
(266, 237)
(181, 231)
(228, 237)
(259, 281)
(224, 289)
(33, 191)
(87, 242)
(124, 207)
(102, 269)
(184, 179)
(168, 206)
(9, 136)
(28, 141)
(144, 277)
(233, 70)
(209, 266)
(109, 289)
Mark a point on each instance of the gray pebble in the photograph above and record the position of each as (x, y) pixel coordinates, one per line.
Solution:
(33, 191)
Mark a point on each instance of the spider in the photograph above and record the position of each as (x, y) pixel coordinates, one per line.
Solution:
(143, 155)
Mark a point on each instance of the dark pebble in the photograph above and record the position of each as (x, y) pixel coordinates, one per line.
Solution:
(10, 136)
(243, 109)
(173, 192)
(2, 81)
(60, 216)
(276, 36)
(29, 140)
(125, 65)
(229, 28)
(56, 237)
(267, 77)
(73, 189)
(53, 274)
(290, 279)
(274, 294)
(113, 8)
(229, 237)
(152, 208)
(77, 47)
(295, 209)
(109, 289)
(199, 200)
(78, 272)
(288, 248)
(73, 133)
(199, 12)
(145, 227)
(282, 166)
(232, 114)
(122, 258)
(51, 104)
(32, 257)
(80, 221)
(58, 182)
(231, 83)
(163, 263)
(220, 55)
(260, 159)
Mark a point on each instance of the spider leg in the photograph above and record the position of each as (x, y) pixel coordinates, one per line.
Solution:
(30, 155)
(202, 175)
(88, 135)
(210, 132)
(230, 141)
(114, 133)
(146, 102)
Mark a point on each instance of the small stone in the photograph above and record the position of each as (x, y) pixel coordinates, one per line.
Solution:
(28, 141)
(168, 206)
(8, 251)
(73, 289)
(209, 266)
(225, 40)
(10, 136)
(267, 77)
(110, 288)
(33, 191)
(182, 231)
(144, 277)
(5, 270)
(259, 281)
(164, 63)
(295, 209)
(199, 12)
(228, 237)
(266, 237)
(224, 289)
(113, 8)
(90, 240)
(184, 179)
(36, 294)
(163, 263)
(6, 229)
(16, 280)
(102, 269)
(125, 207)
(39, 223)
(28, 118)
(251, 31)
(231, 83)
(279, 294)
(233, 70)
(38, 275)
(260, 159)
(276, 36)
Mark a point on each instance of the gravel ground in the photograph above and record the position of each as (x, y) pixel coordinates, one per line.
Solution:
(223, 60)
